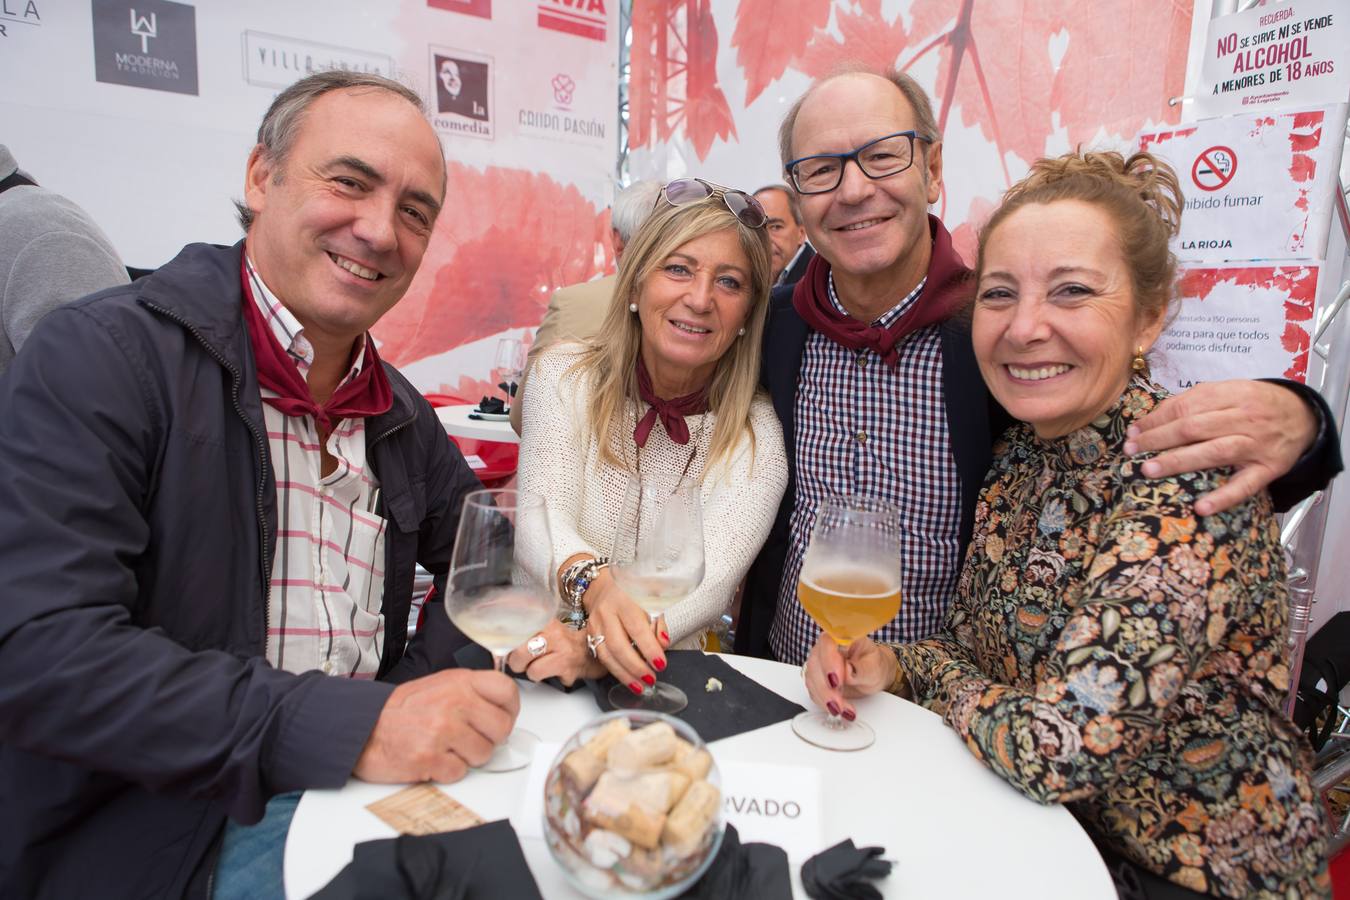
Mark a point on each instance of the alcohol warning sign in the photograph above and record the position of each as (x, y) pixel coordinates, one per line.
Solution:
(1214, 168)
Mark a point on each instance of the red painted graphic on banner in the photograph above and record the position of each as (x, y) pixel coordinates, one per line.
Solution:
(1297, 283)
(584, 18)
(480, 8)
(1214, 168)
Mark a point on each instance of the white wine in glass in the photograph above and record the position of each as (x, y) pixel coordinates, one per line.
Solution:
(850, 584)
(657, 561)
(503, 535)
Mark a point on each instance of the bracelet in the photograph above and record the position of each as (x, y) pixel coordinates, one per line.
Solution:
(574, 582)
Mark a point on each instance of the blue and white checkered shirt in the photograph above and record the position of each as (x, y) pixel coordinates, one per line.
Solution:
(866, 428)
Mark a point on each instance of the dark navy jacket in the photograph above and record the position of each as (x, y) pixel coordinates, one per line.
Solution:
(137, 526)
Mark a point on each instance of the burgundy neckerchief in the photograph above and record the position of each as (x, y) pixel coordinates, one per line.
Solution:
(945, 291)
(671, 412)
(368, 394)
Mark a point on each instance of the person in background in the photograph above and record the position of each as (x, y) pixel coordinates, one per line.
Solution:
(873, 377)
(1110, 647)
(212, 497)
(791, 252)
(576, 311)
(668, 385)
(51, 252)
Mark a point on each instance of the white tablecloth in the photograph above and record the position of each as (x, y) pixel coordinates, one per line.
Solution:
(956, 830)
(458, 424)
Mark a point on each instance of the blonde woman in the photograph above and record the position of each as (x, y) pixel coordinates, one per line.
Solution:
(670, 384)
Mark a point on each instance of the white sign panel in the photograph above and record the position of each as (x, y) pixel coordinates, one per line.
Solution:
(1240, 322)
(1275, 56)
(1255, 186)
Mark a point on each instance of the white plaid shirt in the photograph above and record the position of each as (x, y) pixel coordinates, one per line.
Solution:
(866, 428)
(327, 586)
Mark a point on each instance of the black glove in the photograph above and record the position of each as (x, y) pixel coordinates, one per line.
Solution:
(844, 871)
(493, 405)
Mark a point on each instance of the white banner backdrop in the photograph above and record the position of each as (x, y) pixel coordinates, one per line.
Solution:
(1290, 54)
(144, 111)
(1257, 186)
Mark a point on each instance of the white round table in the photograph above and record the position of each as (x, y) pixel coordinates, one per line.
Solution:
(956, 830)
(458, 424)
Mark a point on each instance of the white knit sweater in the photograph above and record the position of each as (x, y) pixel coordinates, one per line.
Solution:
(560, 462)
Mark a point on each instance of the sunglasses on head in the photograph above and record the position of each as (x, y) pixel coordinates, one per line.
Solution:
(746, 209)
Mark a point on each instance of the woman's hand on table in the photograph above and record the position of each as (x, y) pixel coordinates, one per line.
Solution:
(565, 657)
(834, 674)
(625, 642)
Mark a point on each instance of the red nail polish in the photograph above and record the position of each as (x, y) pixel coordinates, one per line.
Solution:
(849, 714)
(635, 687)
(665, 638)
(833, 708)
(833, 679)
(659, 665)
(649, 680)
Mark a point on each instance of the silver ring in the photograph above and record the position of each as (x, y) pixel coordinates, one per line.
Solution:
(594, 641)
(537, 645)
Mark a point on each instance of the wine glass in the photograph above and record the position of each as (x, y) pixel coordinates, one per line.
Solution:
(509, 365)
(850, 584)
(657, 561)
(495, 592)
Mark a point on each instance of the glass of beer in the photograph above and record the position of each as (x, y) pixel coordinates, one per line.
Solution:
(497, 592)
(850, 584)
(657, 561)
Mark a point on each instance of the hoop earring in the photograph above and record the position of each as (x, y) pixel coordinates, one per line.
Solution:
(632, 307)
(1139, 364)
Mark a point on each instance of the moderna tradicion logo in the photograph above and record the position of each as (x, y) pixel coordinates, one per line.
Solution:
(146, 43)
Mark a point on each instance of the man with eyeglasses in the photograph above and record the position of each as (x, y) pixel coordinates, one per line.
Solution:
(874, 379)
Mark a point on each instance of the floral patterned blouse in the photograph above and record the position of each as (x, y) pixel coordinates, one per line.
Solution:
(1110, 650)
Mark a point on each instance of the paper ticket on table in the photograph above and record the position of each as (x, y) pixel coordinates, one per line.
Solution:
(424, 809)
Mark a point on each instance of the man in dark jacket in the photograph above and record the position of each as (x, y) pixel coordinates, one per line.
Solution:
(872, 373)
(212, 498)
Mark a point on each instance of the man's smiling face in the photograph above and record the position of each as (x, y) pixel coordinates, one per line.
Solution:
(342, 221)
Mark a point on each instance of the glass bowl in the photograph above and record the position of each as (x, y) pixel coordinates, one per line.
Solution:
(603, 819)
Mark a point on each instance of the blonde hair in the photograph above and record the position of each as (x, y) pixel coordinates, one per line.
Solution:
(1142, 197)
(610, 358)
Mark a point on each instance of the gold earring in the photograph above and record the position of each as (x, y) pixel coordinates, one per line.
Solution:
(1139, 364)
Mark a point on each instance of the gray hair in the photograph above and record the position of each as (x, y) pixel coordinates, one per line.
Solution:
(632, 205)
(925, 125)
(788, 194)
(281, 124)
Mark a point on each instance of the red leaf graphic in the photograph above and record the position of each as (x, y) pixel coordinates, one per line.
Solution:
(867, 39)
(966, 237)
(770, 35)
(706, 114)
(505, 241)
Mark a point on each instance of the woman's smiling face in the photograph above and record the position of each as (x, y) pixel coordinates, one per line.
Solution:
(1056, 323)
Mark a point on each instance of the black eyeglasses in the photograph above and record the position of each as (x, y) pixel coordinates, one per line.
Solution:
(882, 158)
(746, 209)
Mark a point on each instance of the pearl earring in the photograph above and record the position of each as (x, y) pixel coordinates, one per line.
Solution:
(632, 307)
(741, 332)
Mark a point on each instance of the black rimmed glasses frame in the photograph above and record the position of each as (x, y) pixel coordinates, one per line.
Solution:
(683, 191)
(827, 173)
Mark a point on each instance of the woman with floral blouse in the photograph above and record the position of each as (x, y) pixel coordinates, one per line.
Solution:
(1109, 648)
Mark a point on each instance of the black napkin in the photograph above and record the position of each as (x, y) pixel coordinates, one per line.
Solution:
(741, 705)
(844, 871)
(493, 405)
(744, 871)
(481, 863)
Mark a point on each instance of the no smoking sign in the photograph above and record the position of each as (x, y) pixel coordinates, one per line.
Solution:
(1214, 168)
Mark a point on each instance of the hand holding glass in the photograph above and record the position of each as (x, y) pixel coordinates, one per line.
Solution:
(657, 561)
(491, 595)
(850, 584)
